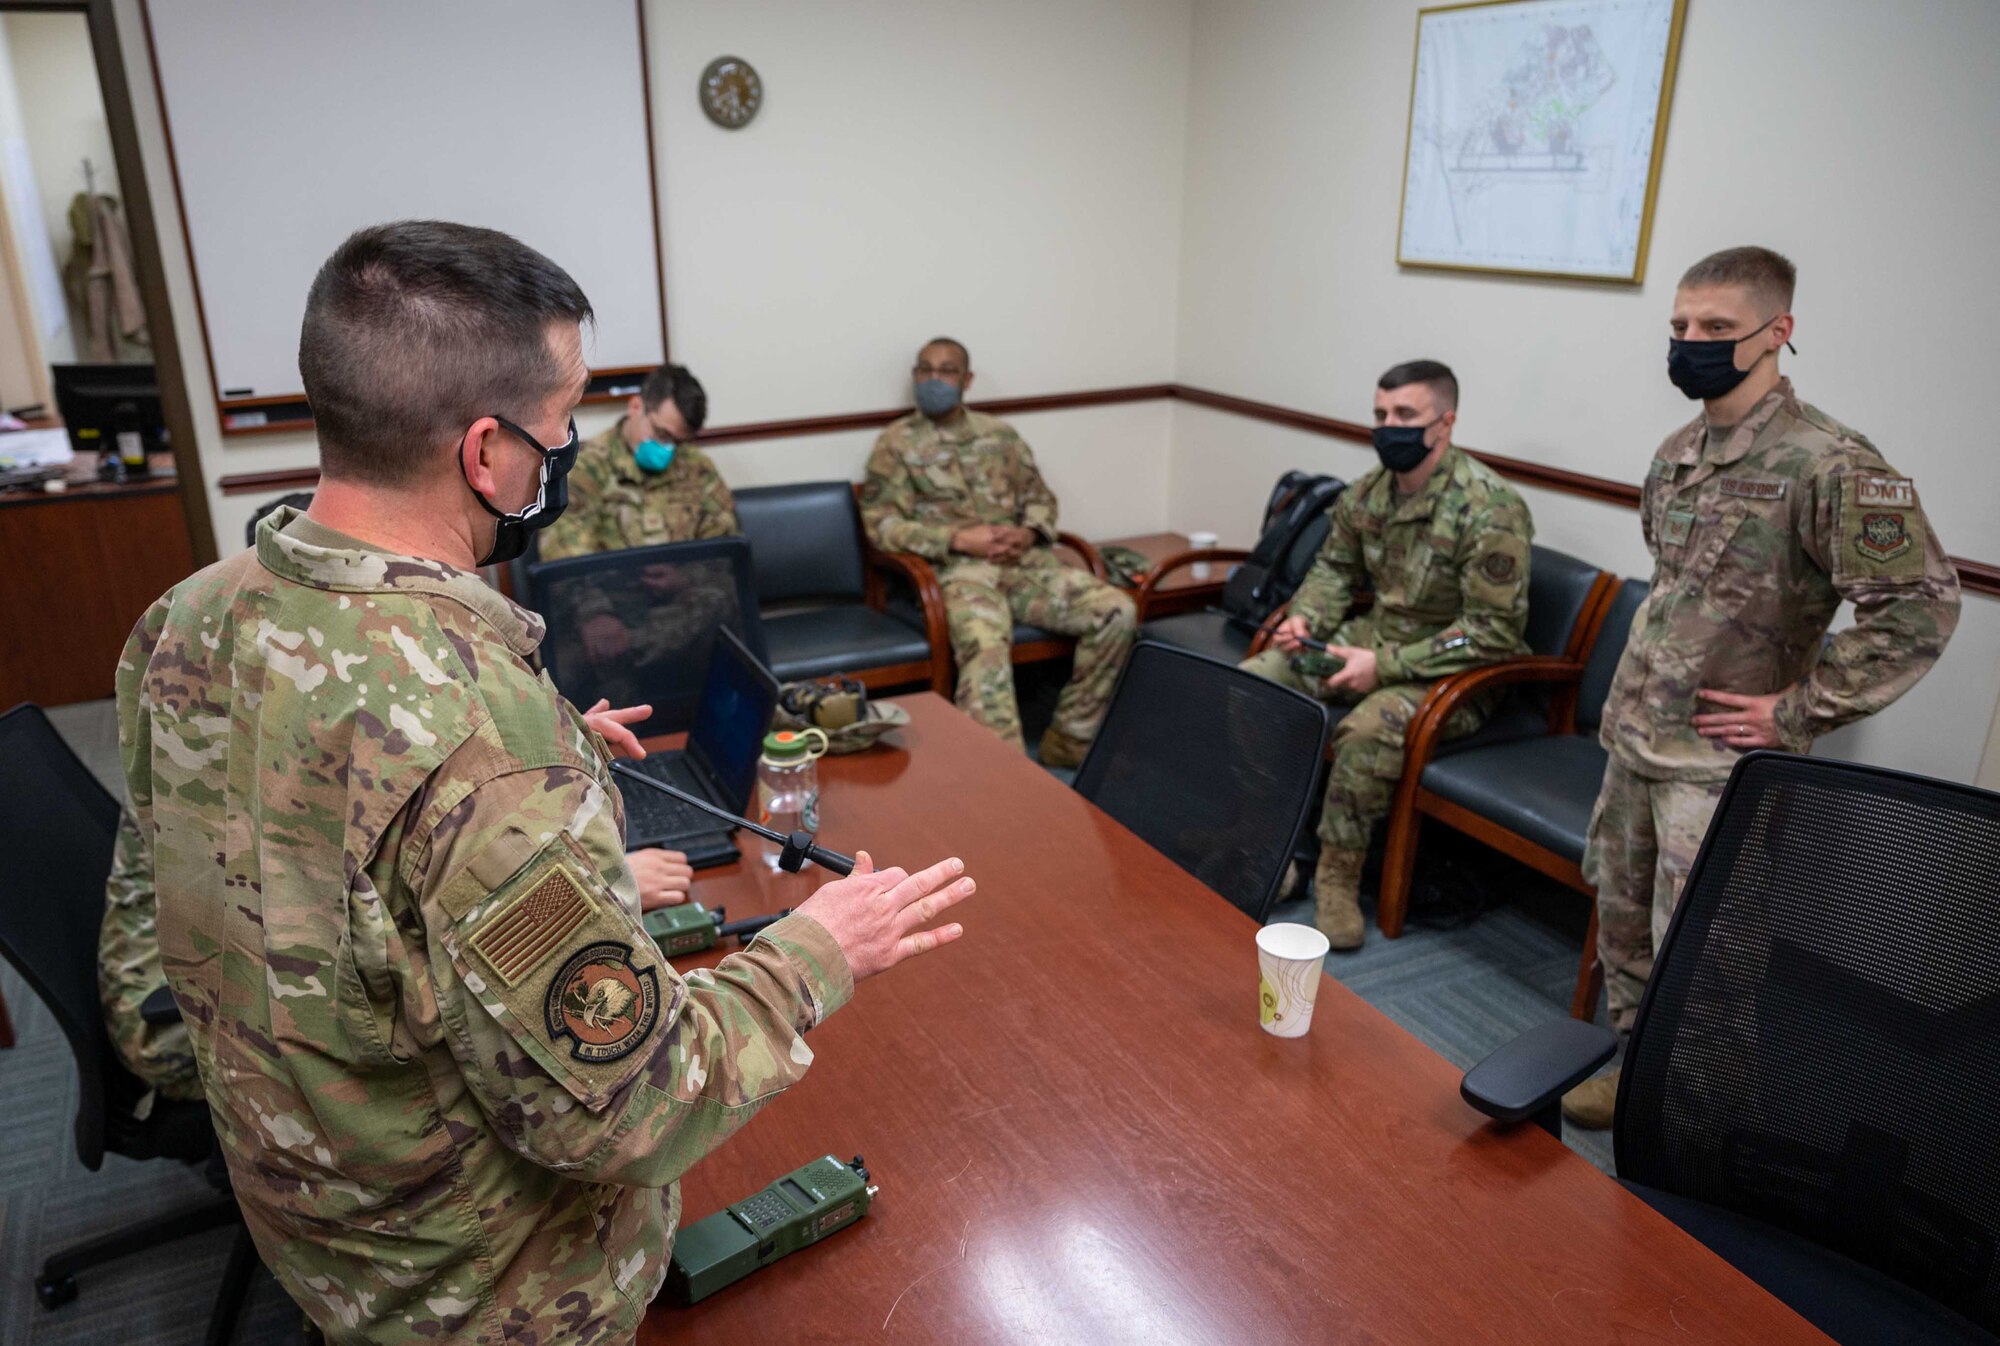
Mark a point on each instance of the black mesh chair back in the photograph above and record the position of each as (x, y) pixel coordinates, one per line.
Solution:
(57, 826)
(667, 603)
(1818, 1043)
(805, 541)
(1558, 587)
(1212, 766)
(1609, 648)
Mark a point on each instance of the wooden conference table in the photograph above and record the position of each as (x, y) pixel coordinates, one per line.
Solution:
(1081, 1134)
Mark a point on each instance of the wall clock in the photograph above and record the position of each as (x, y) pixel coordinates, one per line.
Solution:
(731, 93)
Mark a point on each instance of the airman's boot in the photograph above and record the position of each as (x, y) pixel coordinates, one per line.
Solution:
(1060, 750)
(1591, 1103)
(1337, 896)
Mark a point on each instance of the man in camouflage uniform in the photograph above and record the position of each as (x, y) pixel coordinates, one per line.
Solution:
(639, 484)
(961, 489)
(1444, 545)
(643, 481)
(453, 1078)
(1762, 515)
(128, 970)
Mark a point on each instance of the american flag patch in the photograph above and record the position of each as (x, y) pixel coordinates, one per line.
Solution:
(533, 926)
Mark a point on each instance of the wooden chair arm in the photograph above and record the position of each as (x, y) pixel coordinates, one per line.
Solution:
(1426, 728)
(1181, 561)
(1092, 562)
(923, 581)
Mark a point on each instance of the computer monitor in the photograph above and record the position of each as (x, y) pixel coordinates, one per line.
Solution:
(98, 403)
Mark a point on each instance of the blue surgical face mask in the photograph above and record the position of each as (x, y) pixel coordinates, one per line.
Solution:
(936, 398)
(653, 456)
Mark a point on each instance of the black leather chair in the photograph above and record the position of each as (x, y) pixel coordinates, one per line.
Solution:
(1212, 766)
(707, 582)
(821, 614)
(1530, 797)
(57, 826)
(1808, 1089)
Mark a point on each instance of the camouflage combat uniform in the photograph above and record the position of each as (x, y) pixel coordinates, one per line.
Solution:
(1449, 569)
(615, 504)
(1757, 534)
(453, 1077)
(925, 482)
(128, 970)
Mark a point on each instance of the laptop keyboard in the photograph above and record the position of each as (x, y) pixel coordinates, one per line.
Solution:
(651, 814)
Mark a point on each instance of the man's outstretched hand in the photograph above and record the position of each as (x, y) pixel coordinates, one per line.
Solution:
(878, 917)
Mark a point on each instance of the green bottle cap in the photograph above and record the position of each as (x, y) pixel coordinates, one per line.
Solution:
(784, 745)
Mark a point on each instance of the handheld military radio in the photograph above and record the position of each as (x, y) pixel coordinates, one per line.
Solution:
(691, 927)
(798, 1209)
(1316, 663)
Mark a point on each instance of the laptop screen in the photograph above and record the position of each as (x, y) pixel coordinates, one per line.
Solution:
(737, 699)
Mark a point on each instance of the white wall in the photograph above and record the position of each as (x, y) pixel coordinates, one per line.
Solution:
(1851, 135)
(1010, 174)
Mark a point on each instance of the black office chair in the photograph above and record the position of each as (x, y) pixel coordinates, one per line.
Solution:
(812, 567)
(1212, 766)
(57, 825)
(1809, 1089)
(699, 586)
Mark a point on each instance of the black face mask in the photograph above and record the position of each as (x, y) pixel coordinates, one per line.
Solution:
(510, 537)
(1707, 369)
(1401, 447)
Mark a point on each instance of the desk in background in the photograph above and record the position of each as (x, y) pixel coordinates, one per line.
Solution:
(81, 567)
(1081, 1135)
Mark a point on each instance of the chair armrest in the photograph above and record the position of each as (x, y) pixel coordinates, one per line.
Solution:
(1091, 560)
(1426, 727)
(159, 1008)
(923, 581)
(1180, 561)
(1532, 1072)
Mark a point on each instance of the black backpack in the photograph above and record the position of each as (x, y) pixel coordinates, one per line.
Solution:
(1296, 522)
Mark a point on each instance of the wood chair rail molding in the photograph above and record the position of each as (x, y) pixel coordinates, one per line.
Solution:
(1977, 576)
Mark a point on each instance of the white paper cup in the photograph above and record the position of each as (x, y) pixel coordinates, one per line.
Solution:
(1290, 957)
(1201, 542)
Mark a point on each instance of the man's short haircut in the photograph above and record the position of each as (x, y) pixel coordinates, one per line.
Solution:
(1433, 374)
(964, 355)
(1769, 277)
(673, 383)
(416, 329)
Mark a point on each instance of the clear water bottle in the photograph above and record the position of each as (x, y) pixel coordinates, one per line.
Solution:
(788, 785)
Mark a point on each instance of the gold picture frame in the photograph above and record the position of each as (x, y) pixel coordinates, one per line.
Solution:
(1499, 170)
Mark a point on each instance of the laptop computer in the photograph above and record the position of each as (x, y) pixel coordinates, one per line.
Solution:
(738, 698)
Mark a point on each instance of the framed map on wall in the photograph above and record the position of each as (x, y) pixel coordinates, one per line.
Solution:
(1535, 135)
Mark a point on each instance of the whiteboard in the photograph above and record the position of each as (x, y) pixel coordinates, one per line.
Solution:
(295, 122)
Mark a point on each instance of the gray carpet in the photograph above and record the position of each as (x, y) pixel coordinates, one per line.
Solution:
(1462, 990)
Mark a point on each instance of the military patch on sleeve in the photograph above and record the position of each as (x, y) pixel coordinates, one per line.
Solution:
(1498, 566)
(605, 1006)
(1883, 537)
(516, 939)
(1885, 493)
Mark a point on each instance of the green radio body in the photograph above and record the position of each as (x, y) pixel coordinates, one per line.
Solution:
(794, 1212)
(686, 928)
